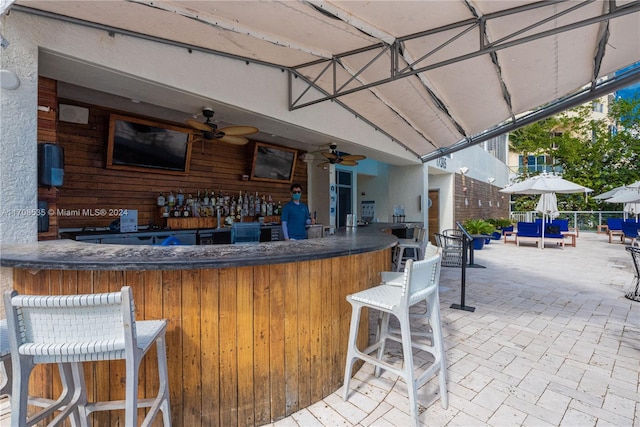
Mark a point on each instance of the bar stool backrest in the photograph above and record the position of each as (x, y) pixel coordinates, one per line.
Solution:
(421, 280)
(71, 328)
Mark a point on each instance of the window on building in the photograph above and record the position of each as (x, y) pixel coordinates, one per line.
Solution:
(537, 164)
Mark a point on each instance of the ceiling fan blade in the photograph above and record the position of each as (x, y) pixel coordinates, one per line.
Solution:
(323, 164)
(239, 130)
(330, 156)
(199, 125)
(354, 157)
(235, 140)
(348, 163)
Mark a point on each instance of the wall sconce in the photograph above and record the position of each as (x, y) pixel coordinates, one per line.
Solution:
(464, 170)
(9, 80)
(491, 179)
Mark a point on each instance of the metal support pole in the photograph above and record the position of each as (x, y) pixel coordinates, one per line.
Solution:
(462, 306)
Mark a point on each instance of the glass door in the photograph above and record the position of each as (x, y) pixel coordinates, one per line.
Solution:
(345, 196)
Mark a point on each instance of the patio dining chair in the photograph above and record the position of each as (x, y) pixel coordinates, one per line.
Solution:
(634, 292)
(452, 248)
(420, 283)
(71, 329)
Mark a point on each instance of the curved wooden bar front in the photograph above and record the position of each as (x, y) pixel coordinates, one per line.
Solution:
(247, 344)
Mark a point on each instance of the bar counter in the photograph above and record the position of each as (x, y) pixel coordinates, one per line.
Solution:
(256, 331)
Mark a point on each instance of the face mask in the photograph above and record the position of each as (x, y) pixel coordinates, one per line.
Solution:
(296, 196)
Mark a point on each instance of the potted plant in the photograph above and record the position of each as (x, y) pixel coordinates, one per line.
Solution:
(477, 228)
(501, 224)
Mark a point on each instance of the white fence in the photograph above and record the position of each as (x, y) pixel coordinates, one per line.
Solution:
(583, 220)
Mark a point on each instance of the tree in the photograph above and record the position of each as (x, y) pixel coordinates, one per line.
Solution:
(599, 154)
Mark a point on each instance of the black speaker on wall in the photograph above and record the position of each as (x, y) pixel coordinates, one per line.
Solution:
(50, 165)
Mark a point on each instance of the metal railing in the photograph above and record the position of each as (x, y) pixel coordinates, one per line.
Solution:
(583, 220)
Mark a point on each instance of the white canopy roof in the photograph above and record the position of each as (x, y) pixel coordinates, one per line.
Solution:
(435, 76)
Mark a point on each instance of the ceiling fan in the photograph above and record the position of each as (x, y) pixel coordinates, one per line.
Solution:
(335, 157)
(231, 134)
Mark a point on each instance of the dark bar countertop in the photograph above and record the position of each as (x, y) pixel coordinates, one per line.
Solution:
(72, 255)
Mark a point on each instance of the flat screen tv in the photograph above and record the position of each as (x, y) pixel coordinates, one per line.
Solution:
(273, 163)
(138, 144)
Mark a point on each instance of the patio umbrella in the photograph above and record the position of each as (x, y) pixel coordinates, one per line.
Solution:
(614, 192)
(630, 196)
(548, 205)
(545, 184)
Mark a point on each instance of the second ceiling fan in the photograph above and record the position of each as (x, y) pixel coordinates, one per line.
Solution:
(230, 134)
(335, 157)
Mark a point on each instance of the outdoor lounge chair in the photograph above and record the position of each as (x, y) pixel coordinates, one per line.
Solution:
(615, 228)
(630, 229)
(528, 232)
(552, 232)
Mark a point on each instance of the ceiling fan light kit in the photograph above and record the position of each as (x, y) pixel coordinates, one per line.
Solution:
(334, 157)
(231, 135)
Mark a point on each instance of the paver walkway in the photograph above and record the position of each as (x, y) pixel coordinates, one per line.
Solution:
(552, 342)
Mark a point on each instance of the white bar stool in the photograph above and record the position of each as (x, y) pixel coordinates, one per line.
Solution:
(5, 359)
(420, 283)
(410, 248)
(70, 329)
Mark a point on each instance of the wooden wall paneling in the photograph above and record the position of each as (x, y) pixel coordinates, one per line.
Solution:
(192, 387)
(304, 333)
(277, 281)
(291, 356)
(210, 350)
(261, 343)
(172, 310)
(100, 370)
(338, 273)
(327, 265)
(245, 346)
(316, 322)
(228, 341)
(85, 280)
(215, 166)
(147, 295)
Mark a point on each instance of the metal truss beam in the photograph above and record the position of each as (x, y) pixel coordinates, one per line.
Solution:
(394, 50)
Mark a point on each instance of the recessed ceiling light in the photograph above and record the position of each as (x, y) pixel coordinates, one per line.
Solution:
(135, 101)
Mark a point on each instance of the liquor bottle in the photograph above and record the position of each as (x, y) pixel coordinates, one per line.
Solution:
(263, 206)
(180, 198)
(161, 200)
(270, 206)
(245, 205)
(171, 200)
(206, 197)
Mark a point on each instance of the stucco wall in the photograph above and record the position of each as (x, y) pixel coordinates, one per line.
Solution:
(18, 134)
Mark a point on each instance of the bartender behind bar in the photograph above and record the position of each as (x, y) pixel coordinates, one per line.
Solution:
(295, 216)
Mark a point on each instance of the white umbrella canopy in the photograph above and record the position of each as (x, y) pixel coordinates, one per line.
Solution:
(628, 195)
(548, 205)
(546, 184)
(614, 192)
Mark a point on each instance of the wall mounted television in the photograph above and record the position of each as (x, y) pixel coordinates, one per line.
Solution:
(273, 163)
(144, 145)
